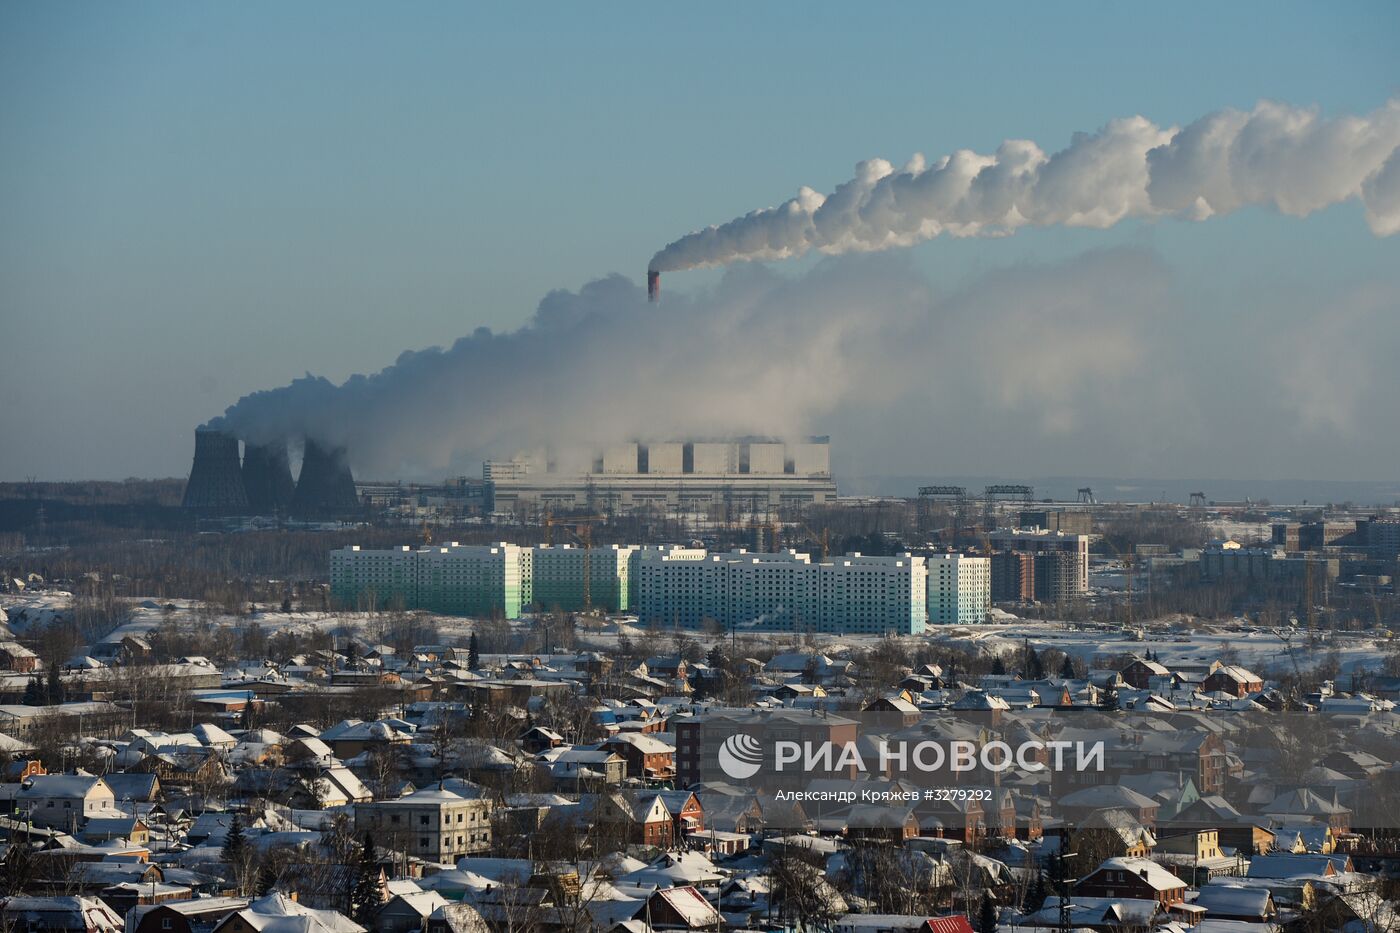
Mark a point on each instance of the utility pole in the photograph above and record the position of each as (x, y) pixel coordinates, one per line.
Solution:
(1063, 881)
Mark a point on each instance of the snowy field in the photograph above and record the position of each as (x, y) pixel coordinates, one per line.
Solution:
(1179, 641)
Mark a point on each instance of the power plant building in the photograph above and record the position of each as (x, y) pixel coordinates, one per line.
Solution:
(746, 475)
(221, 483)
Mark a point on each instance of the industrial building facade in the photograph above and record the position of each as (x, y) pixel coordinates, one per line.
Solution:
(746, 476)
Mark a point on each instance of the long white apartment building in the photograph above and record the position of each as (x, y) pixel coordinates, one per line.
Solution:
(453, 579)
(671, 586)
(959, 589)
(854, 593)
(482, 580)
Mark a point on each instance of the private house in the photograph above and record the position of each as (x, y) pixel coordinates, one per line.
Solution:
(1232, 679)
(183, 916)
(433, 824)
(648, 758)
(65, 801)
(17, 658)
(1139, 673)
(1135, 878)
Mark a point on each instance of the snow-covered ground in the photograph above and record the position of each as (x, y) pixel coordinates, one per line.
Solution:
(1179, 640)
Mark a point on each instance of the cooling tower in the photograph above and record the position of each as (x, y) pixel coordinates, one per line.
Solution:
(325, 488)
(216, 482)
(267, 478)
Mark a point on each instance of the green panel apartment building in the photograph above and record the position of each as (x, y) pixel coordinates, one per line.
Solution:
(481, 580)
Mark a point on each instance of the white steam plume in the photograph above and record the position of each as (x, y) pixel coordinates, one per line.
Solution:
(1276, 154)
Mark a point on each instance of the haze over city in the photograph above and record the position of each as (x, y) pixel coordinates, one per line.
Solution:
(205, 204)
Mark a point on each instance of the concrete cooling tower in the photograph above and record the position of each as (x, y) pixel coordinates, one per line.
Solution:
(215, 486)
(267, 478)
(325, 488)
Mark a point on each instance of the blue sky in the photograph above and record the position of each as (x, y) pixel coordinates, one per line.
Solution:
(202, 200)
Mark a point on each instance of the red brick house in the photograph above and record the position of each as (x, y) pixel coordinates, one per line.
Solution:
(1140, 672)
(687, 814)
(15, 657)
(1136, 878)
(645, 820)
(647, 757)
(1232, 679)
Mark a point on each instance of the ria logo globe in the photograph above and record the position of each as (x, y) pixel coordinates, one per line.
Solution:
(740, 756)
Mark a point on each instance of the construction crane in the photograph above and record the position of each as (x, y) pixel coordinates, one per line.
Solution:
(823, 540)
(581, 527)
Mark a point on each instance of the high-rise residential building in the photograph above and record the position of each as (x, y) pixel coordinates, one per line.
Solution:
(375, 578)
(878, 595)
(959, 589)
(452, 579)
(474, 580)
(558, 572)
(1013, 577)
(1040, 541)
(786, 591)
(671, 586)
(769, 590)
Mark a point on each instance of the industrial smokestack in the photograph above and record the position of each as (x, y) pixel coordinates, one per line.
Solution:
(653, 285)
(267, 477)
(215, 486)
(325, 488)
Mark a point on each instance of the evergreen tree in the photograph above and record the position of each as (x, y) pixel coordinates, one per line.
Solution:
(998, 666)
(1067, 669)
(365, 901)
(718, 658)
(56, 694)
(267, 881)
(35, 694)
(1035, 897)
(987, 915)
(235, 853)
(1032, 668)
(473, 654)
